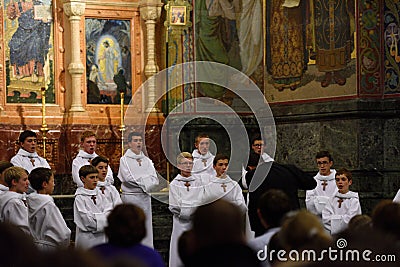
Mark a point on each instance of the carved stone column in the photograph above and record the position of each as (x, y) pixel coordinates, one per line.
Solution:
(74, 9)
(150, 12)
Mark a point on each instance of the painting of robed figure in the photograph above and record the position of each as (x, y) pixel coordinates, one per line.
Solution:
(108, 61)
(29, 50)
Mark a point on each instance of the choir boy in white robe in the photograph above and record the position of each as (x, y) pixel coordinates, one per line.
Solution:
(185, 194)
(48, 227)
(3, 166)
(397, 197)
(13, 207)
(26, 156)
(91, 209)
(85, 156)
(222, 186)
(139, 178)
(103, 185)
(202, 157)
(343, 206)
(272, 207)
(317, 198)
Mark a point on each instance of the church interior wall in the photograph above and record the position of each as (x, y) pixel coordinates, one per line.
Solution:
(309, 117)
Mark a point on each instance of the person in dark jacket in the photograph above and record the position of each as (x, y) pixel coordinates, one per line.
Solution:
(273, 175)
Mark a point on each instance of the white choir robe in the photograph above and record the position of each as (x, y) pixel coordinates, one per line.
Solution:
(82, 159)
(266, 158)
(29, 161)
(203, 164)
(90, 218)
(229, 190)
(3, 189)
(336, 219)
(260, 245)
(397, 197)
(110, 192)
(317, 198)
(139, 178)
(183, 201)
(225, 188)
(13, 210)
(48, 227)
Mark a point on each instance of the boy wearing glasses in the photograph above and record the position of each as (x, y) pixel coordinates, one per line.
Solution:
(317, 198)
(185, 194)
(258, 145)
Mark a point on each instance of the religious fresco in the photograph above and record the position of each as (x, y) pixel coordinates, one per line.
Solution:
(29, 55)
(305, 56)
(310, 57)
(108, 61)
(392, 47)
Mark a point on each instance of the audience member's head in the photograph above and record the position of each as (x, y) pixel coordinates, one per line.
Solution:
(3, 166)
(304, 230)
(386, 218)
(272, 207)
(186, 246)
(126, 225)
(17, 248)
(72, 258)
(219, 222)
(360, 222)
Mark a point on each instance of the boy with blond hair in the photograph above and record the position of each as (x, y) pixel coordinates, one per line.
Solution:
(85, 156)
(49, 230)
(343, 206)
(91, 209)
(13, 207)
(185, 193)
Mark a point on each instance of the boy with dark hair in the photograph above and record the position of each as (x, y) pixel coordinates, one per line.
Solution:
(139, 178)
(221, 186)
(107, 189)
(258, 146)
(13, 208)
(90, 210)
(4, 165)
(343, 206)
(86, 155)
(273, 205)
(26, 156)
(317, 198)
(47, 225)
(202, 157)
